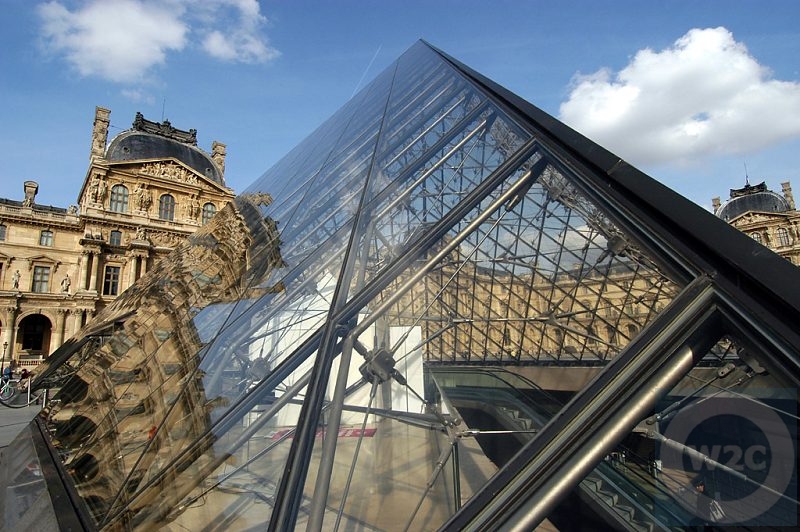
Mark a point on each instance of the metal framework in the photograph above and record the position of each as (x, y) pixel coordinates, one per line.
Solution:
(294, 364)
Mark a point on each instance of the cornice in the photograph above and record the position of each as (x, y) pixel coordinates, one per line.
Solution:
(36, 219)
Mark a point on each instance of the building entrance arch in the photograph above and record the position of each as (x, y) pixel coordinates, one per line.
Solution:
(34, 335)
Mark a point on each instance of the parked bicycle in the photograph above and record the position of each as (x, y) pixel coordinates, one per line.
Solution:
(9, 389)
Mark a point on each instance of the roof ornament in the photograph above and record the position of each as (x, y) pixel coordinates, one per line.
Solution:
(164, 129)
(749, 189)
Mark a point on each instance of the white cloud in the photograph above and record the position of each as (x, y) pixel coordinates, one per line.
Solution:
(118, 40)
(240, 46)
(703, 96)
(138, 96)
(243, 42)
(122, 40)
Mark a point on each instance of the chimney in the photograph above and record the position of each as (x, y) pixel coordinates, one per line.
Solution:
(31, 188)
(99, 133)
(218, 155)
(715, 203)
(787, 193)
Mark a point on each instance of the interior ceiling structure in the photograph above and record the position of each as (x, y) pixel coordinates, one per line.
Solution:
(384, 332)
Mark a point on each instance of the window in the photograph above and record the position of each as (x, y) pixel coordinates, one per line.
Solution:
(783, 236)
(111, 281)
(41, 279)
(115, 238)
(3, 230)
(119, 198)
(756, 237)
(46, 238)
(209, 209)
(166, 207)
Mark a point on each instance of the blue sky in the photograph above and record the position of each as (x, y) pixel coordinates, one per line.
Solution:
(688, 91)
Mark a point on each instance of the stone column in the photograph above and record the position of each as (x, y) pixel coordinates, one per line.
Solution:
(95, 265)
(133, 268)
(58, 332)
(8, 333)
(82, 280)
(77, 314)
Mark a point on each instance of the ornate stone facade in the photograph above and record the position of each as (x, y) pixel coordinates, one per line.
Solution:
(143, 194)
(766, 216)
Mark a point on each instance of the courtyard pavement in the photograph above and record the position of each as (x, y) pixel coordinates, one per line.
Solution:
(13, 420)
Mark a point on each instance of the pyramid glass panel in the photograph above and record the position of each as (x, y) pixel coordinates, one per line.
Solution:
(443, 309)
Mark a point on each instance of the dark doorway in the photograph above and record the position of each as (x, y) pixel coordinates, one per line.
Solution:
(34, 331)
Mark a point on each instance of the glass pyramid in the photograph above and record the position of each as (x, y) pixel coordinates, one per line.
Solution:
(443, 309)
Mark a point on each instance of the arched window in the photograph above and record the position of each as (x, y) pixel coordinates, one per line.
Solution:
(166, 207)
(783, 236)
(756, 237)
(209, 209)
(46, 238)
(119, 199)
(115, 238)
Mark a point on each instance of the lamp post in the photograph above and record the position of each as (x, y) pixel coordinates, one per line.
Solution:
(3, 359)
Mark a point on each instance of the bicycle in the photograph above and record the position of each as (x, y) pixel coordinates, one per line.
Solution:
(15, 394)
(9, 389)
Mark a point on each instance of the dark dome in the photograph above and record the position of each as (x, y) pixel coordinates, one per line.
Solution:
(752, 199)
(135, 145)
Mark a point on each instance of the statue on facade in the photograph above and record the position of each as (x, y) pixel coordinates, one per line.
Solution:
(141, 233)
(192, 208)
(97, 189)
(143, 198)
(101, 190)
(15, 280)
(65, 282)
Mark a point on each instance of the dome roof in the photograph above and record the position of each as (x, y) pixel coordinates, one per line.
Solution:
(148, 140)
(752, 199)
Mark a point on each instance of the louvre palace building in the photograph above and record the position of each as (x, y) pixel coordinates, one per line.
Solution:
(443, 310)
(143, 193)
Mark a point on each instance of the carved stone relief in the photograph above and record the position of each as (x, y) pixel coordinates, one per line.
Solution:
(169, 170)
